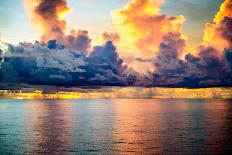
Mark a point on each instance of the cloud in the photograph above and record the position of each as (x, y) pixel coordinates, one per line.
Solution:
(210, 66)
(204, 70)
(167, 60)
(1, 52)
(78, 40)
(218, 34)
(41, 63)
(225, 11)
(48, 58)
(141, 27)
(145, 42)
(228, 56)
(48, 18)
(107, 65)
(169, 69)
(114, 37)
(52, 63)
(175, 40)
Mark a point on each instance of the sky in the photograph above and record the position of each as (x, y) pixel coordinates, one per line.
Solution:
(15, 25)
(174, 43)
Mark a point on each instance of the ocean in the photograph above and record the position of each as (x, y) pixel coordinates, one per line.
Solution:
(115, 126)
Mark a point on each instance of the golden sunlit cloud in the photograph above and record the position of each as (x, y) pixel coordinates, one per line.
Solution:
(216, 34)
(212, 37)
(225, 11)
(142, 28)
(48, 17)
(114, 37)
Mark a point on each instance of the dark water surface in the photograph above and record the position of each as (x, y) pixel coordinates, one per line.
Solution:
(115, 126)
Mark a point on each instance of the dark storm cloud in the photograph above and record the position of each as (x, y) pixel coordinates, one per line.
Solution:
(107, 65)
(225, 29)
(1, 52)
(52, 63)
(174, 40)
(228, 56)
(78, 40)
(208, 68)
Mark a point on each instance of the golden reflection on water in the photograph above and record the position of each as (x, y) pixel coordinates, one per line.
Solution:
(132, 126)
(121, 126)
(153, 127)
(216, 133)
(124, 92)
(51, 123)
(144, 128)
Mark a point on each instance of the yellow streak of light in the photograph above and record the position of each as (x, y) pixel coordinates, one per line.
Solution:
(225, 11)
(128, 92)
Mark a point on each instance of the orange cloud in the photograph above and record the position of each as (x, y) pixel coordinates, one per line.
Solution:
(225, 11)
(218, 34)
(142, 28)
(213, 37)
(48, 17)
(114, 37)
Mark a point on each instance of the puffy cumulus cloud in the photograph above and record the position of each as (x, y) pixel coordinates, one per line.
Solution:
(212, 63)
(169, 68)
(218, 34)
(167, 60)
(52, 63)
(48, 57)
(225, 11)
(48, 18)
(208, 67)
(204, 70)
(37, 62)
(107, 65)
(209, 64)
(77, 40)
(142, 28)
(214, 53)
(114, 37)
(175, 40)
